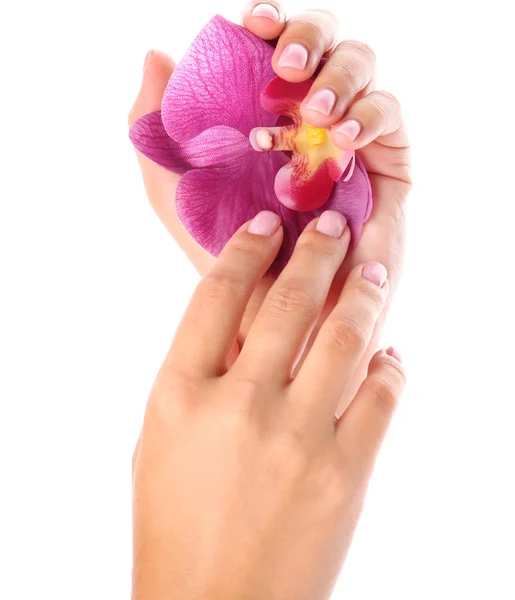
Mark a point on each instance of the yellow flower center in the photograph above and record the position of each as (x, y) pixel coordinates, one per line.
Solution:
(316, 136)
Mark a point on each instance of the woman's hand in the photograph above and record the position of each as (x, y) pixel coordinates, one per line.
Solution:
(361, 118)
(244, 485)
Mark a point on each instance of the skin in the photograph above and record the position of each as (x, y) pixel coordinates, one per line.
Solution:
(244, 486)
(382, 145)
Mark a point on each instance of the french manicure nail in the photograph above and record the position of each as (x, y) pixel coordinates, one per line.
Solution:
(294, 56)
(264, 223)
(266, 10)
(375, 272)
(350, 128)
(322, 101)
(394, 353)
(331, 223)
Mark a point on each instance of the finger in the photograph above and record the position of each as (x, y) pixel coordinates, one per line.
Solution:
(361, 429)
(306, 38)
(157, 71)
(264, 19)
(294, 302)
(209, 328)
(348, 72)
(343, 340)
(160, 183)
(377, 115)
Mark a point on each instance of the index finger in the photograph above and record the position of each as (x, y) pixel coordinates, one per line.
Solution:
(212, 320)
(303, 39)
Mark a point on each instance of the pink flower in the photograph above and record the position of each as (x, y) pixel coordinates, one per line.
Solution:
(226, 125)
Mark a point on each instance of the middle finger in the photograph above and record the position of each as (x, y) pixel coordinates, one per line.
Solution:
(294, 302)
(348, 73)
(306, 38)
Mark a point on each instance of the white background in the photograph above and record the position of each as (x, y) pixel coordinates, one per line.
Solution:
(92, 288)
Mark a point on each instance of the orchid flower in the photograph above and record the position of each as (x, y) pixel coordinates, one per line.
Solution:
(233, 130)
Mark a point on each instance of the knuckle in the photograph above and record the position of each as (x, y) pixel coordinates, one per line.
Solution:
(385, 394)
(370, 296)
(390, 99)
(364, 51)
(347, 335)
(245, 248)
(286, 299)
(377, 104)
(250, 387)
(309, 21)
(219, 283)
(316, 246)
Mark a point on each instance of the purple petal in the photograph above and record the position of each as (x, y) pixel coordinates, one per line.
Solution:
(218, 146)
(213, 203)
(219, 82)
(353, 199)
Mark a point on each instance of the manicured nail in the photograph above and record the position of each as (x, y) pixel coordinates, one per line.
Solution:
(322, 101)
(266, 10)
(294, 56)
(349, 128)
(264, 223)
(149, 54)
(331, 223)
(394, 353)
(375, 272)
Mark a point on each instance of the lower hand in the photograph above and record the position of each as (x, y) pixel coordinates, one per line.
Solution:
(244, 485)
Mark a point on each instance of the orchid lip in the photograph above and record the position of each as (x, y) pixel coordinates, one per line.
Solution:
(316, 163)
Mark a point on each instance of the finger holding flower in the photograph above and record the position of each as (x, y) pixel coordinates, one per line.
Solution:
(220, 180)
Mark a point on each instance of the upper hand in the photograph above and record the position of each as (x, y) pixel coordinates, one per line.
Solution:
(372, 117)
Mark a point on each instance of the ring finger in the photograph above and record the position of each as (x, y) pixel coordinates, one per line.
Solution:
(342, 340)
(294, 302)
(348, 73)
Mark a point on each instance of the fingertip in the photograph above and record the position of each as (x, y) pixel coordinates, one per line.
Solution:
(265, 223)
(266, 20)
(347, 135)
(394, 353)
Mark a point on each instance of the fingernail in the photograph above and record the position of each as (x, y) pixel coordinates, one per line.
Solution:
(264, 223)
(375, 272)
(322, 101)
(266, 10)
(294, 56)
(331, 223)
(149, 54)
(394, 353)
(349, 128)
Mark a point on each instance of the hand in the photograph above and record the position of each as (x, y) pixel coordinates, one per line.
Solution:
(374, 116)
(244, 485)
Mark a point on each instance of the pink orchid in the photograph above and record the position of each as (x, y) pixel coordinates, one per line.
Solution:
(234, 131)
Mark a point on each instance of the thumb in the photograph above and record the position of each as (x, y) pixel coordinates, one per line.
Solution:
(160, 184)
(156, 73)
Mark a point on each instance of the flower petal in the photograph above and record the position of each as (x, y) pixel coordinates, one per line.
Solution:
(303, 193)
(218, 146)
(212, 203)
(284, 98)
(353, 199)
(219, 82)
